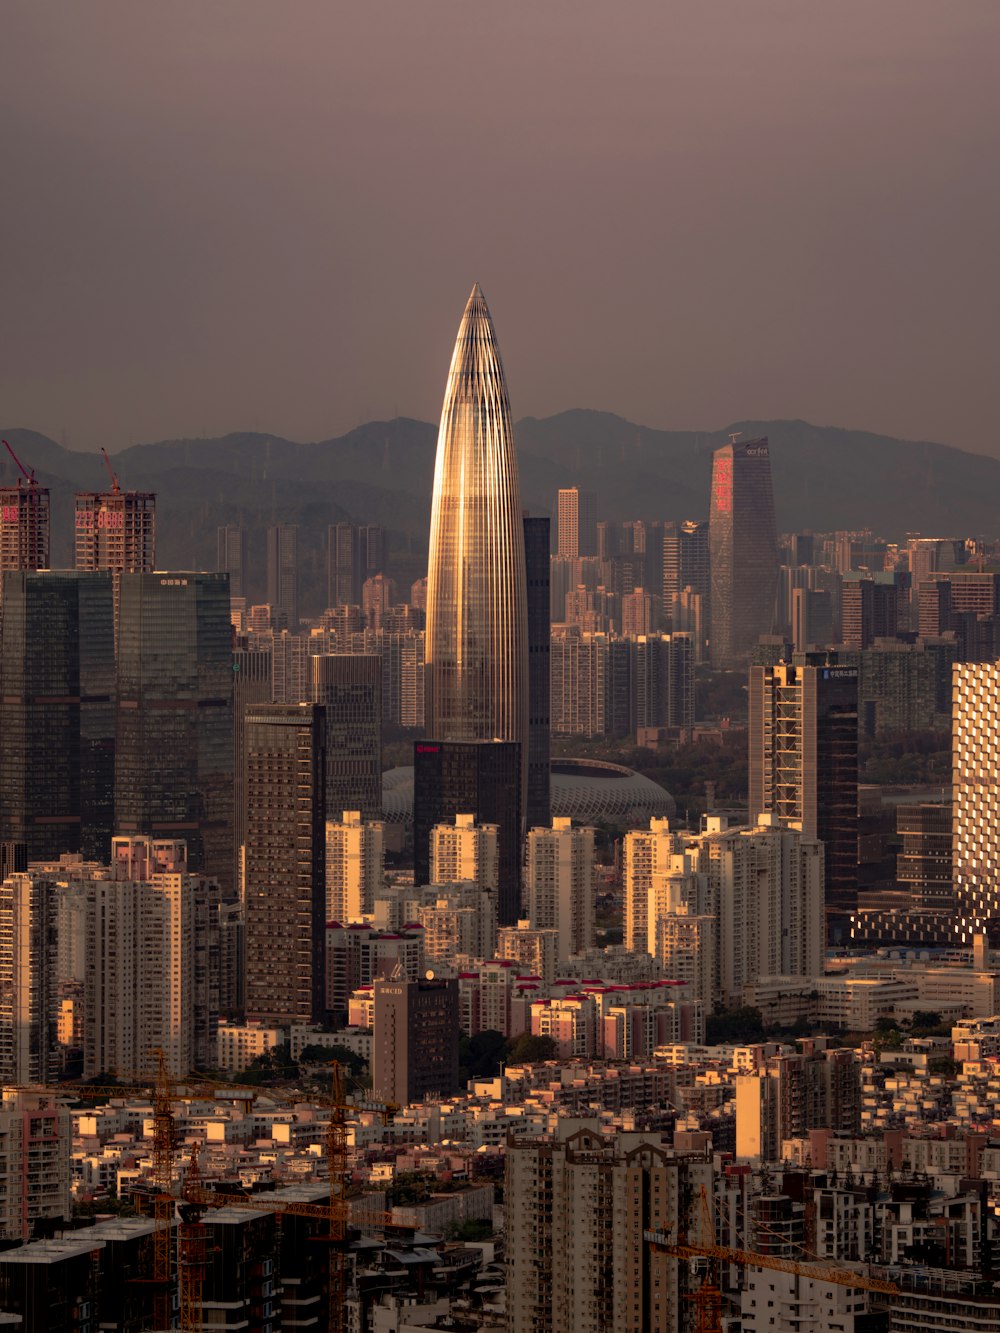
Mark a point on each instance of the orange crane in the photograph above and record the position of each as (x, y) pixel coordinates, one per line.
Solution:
(708, 1298)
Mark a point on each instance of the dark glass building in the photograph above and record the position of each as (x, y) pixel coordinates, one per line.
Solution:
(349, 686)
(537, 566)
(481, 778)
(57, 713)
(354, 553)
(175, 733)
(743, 550)
(285, 863)
(283, 571)
(804, 765)
(232, 558)
(415, 1040)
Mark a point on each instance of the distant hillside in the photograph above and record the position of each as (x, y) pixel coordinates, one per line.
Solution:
(382, 472)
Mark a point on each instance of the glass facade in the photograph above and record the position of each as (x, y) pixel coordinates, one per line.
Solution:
(174, 772)
(477, 633)
(743, 550)
(349, 685)
(57, 689)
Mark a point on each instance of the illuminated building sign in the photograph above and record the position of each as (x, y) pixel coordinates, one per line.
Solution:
(722, 485)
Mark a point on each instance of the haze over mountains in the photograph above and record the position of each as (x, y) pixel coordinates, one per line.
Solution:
(382, 472)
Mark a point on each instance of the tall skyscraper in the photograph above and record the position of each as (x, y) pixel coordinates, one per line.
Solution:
(349, 686)
(116, 530)
(354, 552)
(174, 735)
(57, 713)
(976, 797)
(283, 571)
(685, 562)
(537, 567)
(286, 862)
(576, 519)
(480, 778)
(743, 549)
(251, 685)
(804, 764)
(232, 558)
(477, 609)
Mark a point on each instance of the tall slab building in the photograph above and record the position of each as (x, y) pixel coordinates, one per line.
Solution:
(57, 713)
(477, 607)
(174, 732)
(743, 550)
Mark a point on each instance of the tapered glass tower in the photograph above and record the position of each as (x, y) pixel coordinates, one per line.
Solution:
(477, 609)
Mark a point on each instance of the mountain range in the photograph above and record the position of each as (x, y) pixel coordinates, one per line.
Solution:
(382, 472)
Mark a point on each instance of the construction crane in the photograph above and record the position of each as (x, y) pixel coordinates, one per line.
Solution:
(28, 476)
(115, 487)
(708, 1298)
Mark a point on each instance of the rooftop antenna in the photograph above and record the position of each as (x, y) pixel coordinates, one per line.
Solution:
(734, 435)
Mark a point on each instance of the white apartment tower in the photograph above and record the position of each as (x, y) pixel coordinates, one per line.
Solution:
(355, 866)
(767, 882)
(559, 884)
(465, 852)
(648, 853)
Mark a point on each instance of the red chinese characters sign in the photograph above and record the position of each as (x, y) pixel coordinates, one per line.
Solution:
(722, 485)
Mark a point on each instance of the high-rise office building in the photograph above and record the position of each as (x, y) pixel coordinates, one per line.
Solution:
(174, 735)
(537, 566)
(559, 884)
(283, 570)
(870, 606)
(349, 686)
(116, 530)
(743, 550)
(232, 558)
(355, 866)
(478, 778)
(576, 522)
(804, 763)
(354, 552)
(57, 713)
(976, 798)
(28, 980)
(251, 685)
(477, 607)
(285, 901)
(415, 1039)
(685, 561)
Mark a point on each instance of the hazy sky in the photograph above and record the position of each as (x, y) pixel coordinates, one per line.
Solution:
(232, 214)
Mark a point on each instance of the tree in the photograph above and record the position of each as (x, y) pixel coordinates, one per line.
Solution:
(325, 1055)
(479, 1056)
(528, 1049)
(734, 1026)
